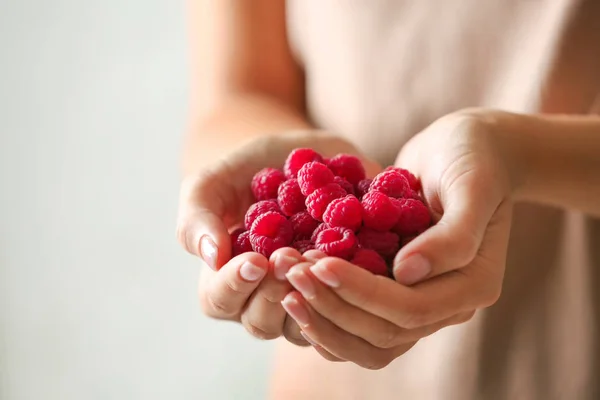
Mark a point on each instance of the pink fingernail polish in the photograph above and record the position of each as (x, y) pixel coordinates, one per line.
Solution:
(209, 251)
(412, 270)
(302, 283)
(295, 310)
(251, 272)
(325, 275)
(282, 265)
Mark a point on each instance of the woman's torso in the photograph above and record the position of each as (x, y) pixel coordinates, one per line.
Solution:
(380, 71)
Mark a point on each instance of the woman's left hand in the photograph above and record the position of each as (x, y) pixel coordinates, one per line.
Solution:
(444, 275)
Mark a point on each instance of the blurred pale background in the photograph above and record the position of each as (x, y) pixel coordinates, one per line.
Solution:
(97, 301)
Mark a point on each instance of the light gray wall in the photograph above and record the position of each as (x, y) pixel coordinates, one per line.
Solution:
(97, 301)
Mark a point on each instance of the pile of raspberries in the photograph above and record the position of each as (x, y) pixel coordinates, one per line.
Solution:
(330, 205)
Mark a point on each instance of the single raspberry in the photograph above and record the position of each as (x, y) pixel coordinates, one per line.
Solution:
(259, 208)
(312, 176)
(240, 242)
(348, 167)
(347, 186)
(269, 232)
(413, 217)
(266, 182)
(413, 181)
(337, 242)
(317, 201)
(384, 243)
(345, 212)
(290, 198)
(318, 230)
(379, 212)
(371, 261)
(362, 187)
(297, 158)
(303, 225)
(303, 245)
(392, 183)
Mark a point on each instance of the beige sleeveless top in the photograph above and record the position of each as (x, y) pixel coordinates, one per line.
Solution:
(379, 71)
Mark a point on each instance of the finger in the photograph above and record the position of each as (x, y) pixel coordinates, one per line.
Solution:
(293, 333)
(469, 202)
(263, 316)
(226, 292)
(339, 343)
(201, 230)
(324, 353)
(424, 304)
(375, 330)
(314, 255)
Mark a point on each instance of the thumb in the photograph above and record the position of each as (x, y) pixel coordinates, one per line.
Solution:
(453, 242)
(201, 230)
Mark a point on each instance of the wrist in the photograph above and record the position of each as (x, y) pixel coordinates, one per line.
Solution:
(512, 144)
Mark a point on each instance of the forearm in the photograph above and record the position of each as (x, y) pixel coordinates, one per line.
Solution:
(559, 160)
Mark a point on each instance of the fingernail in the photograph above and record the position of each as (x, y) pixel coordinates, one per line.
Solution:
(295, 310)
(283, 264)
(412, 270)
(251, 272)
(209, 251)
(314, 255)
(308, 339)
(302, 283)
(325, 275)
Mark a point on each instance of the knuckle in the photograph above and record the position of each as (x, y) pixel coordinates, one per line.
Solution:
(260, 332)
(216, 307)
(235, 286)
(184, 231)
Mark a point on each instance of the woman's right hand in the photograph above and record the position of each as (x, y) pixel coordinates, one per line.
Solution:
(247, 288)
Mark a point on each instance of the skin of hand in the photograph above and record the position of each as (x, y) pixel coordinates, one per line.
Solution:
(247, 288)
(443, 276)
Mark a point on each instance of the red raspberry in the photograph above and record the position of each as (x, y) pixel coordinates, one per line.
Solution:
(303, 245)
(379, 212)
(297, 159)
(347, 186)
(413, 181)
(371, 261)
(303, 225)
(290, 198)
(336, 242)
(240, 242)
(270, 232)
(345, 212)
(317, 201)
(319, 229)
(265, 183)
(384, 243)
(362, 187)
(348, 167)
(259, 208)
(392, 183)
(312, 176)
(413, 217)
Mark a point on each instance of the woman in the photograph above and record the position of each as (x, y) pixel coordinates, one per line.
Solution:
(514, 184)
